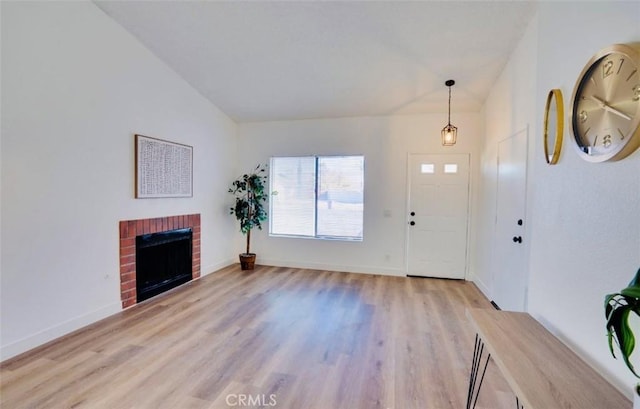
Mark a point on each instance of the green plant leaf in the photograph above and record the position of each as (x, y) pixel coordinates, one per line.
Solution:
(629, 340)
(249, 190)
(610, 342)
(618, 329)
(618, 308)
(633, 292)
(607, 303)
(613, 322)
(635, 282)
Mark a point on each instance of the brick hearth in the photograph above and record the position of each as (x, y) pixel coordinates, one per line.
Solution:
(129, 229)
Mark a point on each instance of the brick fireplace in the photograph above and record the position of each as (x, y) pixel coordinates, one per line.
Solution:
(129, 229)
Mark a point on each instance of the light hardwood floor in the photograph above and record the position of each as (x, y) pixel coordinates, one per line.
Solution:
(276, 337)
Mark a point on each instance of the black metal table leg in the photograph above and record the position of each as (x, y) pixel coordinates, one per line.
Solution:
(476, 364)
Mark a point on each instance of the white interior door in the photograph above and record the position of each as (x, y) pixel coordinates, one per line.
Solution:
(510, 264)
(438, 215)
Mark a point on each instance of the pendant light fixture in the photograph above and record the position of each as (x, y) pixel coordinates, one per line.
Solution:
(449, 132)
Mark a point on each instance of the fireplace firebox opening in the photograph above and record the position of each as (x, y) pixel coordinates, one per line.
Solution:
(163, 261)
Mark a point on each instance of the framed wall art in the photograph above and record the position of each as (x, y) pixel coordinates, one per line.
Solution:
(163, 168)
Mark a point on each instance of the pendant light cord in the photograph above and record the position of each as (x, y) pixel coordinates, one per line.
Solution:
(449, 105)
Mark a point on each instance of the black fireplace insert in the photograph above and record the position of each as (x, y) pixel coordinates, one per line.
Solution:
(163, 261)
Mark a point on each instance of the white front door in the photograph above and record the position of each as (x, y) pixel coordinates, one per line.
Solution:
(437, 215)
(510, 264)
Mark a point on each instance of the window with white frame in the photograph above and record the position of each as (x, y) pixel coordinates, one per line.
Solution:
(317, 196)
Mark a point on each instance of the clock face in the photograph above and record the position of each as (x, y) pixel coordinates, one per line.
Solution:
(605, 115)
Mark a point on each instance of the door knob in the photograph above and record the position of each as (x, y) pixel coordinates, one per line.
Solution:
(517, 239)
(412, 223)
(413, 213)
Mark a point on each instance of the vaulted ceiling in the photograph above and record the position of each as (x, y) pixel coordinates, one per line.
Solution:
(263, 61)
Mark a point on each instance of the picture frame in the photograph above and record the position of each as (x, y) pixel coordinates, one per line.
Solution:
(162, 168)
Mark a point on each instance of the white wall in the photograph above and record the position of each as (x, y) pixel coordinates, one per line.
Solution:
(385, 142)
(76, 87)
(509, 109)
(584, 218)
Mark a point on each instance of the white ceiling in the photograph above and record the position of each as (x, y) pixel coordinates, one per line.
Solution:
(262, 61)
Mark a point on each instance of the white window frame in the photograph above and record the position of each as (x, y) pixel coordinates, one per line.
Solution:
(316, 236)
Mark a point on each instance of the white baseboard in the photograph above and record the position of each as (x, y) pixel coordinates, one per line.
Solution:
(206, 270)
(481, 286)
(49, 334)
(334, 267)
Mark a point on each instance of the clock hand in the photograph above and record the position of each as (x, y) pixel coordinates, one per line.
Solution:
(609, 108)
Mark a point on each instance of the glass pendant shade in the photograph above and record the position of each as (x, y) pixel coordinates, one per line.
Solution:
(449, 135)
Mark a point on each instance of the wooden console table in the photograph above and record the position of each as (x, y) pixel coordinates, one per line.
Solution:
(541, 371)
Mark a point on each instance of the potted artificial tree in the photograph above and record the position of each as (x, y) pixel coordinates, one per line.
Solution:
(249, 209)
(618, 307)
